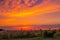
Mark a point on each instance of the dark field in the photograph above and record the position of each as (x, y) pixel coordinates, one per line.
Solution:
(30, 35)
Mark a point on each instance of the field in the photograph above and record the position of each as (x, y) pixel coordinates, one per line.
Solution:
(37, 38)
(30, 35)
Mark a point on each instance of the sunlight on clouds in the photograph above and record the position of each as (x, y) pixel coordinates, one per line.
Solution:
(10, 11)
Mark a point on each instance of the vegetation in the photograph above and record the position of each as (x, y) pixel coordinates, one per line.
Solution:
(31, 35)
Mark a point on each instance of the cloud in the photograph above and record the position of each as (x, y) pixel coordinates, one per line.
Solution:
(31, 3)
(29, 12)
(55, 1)
(3, 17)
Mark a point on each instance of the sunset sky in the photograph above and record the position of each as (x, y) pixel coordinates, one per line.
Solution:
(28, 12)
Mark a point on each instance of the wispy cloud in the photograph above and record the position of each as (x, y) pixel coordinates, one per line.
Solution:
(29, 12)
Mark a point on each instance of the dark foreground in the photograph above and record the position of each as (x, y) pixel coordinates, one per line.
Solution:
(30, 35)
(37, 38)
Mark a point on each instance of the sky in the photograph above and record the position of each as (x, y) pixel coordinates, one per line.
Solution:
(29, 12)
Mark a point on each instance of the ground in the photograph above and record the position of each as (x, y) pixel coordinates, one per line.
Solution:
(37, 38)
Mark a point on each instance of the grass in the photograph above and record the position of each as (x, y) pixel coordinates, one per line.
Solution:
(36, 38)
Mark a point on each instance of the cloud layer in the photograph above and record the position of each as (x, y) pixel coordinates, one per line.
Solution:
(17, 12)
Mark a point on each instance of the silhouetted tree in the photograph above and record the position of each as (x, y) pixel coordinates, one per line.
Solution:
(48, 34)
(1, 29)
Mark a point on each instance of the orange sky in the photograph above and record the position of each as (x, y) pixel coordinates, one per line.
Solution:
(46, 12)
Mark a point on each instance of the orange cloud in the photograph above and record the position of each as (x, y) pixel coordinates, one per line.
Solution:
(15, 13)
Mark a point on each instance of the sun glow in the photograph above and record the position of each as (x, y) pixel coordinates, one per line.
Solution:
(26, 28)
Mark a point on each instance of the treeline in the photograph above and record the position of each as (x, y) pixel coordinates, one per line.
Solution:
(29, 34)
